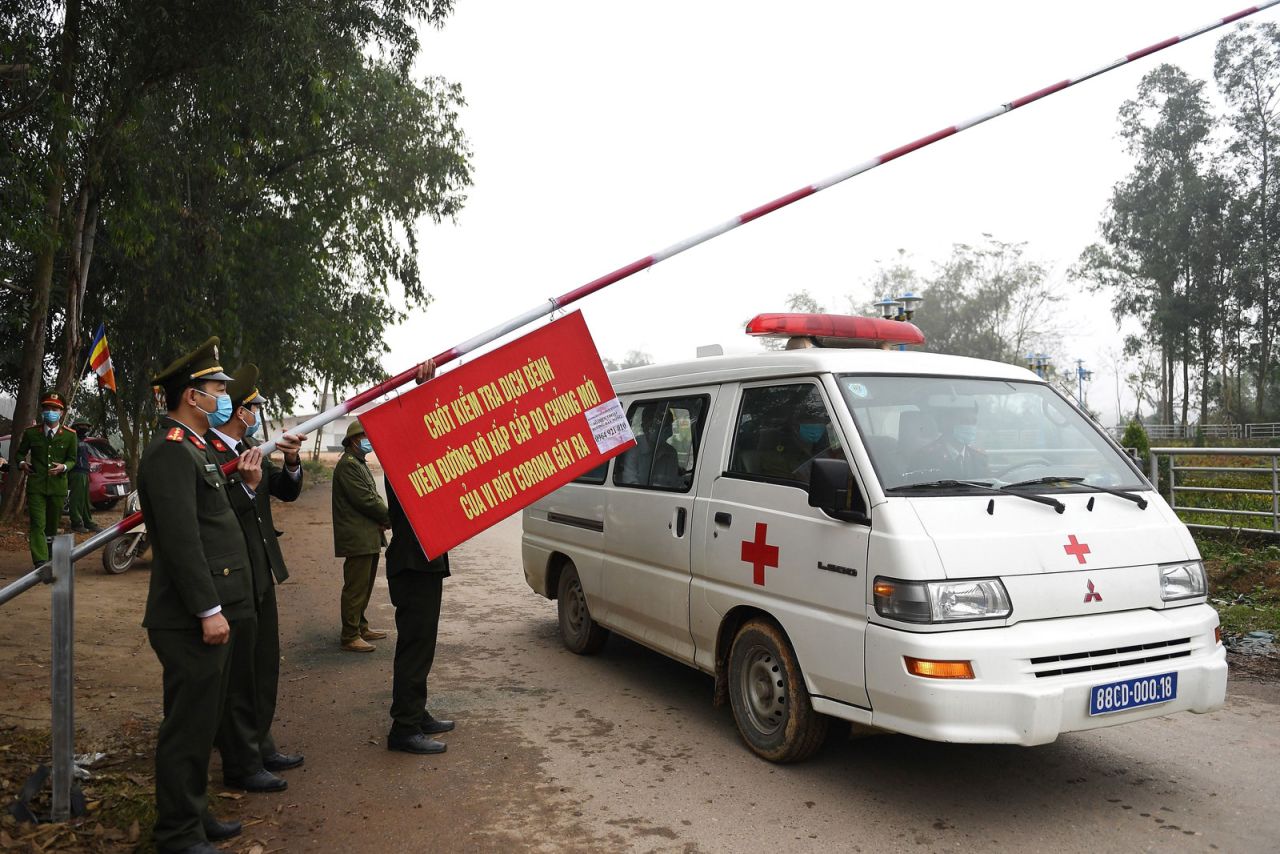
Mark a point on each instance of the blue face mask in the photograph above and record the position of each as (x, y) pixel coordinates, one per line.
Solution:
(965, 434)
(250, 429)
(51, 416)
(222, 414)
(812, 432)
(365, 446)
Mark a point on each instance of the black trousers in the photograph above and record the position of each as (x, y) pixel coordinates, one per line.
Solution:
(195, 685)
(266, 667)
(416, 597)
(237, 736)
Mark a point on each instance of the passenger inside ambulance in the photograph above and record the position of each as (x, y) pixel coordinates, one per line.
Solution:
(782, 430)
(654, 461)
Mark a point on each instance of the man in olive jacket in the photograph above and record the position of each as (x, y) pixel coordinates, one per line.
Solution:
(359, 518)
(249, 753)
(200, 580)
(52, 447)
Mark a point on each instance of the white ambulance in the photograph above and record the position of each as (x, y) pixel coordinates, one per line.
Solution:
(925, 544)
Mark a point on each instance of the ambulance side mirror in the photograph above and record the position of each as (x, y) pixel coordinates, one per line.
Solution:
(833, 491)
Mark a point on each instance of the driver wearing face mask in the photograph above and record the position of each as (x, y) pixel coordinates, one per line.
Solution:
(954, 453)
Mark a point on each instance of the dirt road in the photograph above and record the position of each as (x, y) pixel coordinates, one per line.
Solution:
(624, 751)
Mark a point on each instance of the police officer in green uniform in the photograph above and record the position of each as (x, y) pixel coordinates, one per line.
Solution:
(81, 512)
(200, 580)
(249, 753)
(359, 518)
(52, 448)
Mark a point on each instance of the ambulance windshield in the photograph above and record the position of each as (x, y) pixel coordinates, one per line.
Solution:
(921, 430)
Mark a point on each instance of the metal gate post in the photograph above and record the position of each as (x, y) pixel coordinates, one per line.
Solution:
(1154, 471)
(1275, 497)
(63, 614)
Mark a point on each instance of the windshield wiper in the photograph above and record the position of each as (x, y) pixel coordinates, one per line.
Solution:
(1128, 496)
(978, 484)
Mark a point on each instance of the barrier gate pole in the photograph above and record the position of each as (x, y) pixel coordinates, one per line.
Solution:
(62, 624)
(550, 305)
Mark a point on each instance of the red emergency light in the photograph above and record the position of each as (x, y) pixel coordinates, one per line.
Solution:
(836, 330)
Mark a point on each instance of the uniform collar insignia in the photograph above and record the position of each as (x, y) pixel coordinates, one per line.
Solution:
(218, 445)
(195, 440)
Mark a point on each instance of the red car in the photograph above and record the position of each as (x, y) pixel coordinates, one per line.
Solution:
(108, 480)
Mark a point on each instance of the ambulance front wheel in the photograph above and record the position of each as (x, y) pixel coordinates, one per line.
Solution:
(580, 633)
(766, 690)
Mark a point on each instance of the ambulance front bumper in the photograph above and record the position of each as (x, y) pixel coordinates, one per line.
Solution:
(1033, 680)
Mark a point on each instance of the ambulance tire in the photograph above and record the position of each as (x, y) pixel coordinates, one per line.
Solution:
(579, 632)
(766, 691)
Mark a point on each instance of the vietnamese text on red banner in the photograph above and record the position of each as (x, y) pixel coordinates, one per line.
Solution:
(487, 439)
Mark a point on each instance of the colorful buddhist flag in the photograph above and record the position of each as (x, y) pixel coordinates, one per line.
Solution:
(100, 358)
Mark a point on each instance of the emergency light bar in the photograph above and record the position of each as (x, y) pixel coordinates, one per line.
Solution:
(836, 330)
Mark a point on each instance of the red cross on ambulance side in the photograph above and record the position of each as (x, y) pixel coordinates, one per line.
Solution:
(759, 553)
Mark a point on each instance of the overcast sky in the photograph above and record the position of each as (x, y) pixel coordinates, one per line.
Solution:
(605, 131)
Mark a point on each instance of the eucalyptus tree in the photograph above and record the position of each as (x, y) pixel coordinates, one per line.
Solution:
(1247, 69)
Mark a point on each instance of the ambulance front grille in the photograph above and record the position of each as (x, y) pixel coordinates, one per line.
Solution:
(1106, 659)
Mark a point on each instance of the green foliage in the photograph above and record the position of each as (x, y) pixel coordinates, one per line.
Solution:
(1135, 437)
(261, 170)
(1244, 582)
(989, 302)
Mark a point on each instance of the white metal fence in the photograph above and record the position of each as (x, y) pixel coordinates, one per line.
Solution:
(1181, 481)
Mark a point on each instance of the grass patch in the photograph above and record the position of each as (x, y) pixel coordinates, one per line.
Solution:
(1244, 581)
(317, 471)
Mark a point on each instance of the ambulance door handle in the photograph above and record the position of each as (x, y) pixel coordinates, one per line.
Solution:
(680, 513)
(724, 519)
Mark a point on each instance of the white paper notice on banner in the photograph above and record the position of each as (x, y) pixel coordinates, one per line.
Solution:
(609, 425)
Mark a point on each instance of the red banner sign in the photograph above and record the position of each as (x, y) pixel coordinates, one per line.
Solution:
(486, 440)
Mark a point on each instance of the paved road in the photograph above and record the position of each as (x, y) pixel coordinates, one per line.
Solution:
(624, 751)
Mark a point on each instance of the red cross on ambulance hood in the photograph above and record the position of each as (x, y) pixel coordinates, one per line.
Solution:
(1024, 538)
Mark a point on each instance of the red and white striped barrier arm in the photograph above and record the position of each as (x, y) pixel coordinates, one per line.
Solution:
(545, 308)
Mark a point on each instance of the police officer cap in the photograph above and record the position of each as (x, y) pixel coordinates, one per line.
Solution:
(244, 388)
(353, 429)
(200, 364)
(52, 400)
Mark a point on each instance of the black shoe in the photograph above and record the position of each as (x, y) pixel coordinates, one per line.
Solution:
(216, 830)
(282, 761)
(431, 726)
(416, 743)
(79, 529)
(258, 781)
(94, 527)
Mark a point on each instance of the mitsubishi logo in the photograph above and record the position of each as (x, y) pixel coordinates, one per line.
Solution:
(1092, 595)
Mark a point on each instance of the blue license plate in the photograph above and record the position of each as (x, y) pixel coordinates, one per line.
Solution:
(1132, 693)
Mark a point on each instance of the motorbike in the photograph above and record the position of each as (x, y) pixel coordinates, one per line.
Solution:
(119, 554)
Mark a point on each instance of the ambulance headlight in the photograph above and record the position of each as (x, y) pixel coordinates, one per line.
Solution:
(941, 601)
(1182, 580)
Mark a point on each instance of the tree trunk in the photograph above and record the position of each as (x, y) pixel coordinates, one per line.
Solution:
(71, 368)
(31, 374)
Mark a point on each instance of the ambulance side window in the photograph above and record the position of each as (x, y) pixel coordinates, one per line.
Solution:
(595, 476)
(781, 430)
(668, 431)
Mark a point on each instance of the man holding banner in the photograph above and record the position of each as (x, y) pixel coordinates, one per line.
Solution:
(416, 584)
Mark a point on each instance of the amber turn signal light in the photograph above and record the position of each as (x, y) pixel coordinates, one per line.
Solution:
(938, 669)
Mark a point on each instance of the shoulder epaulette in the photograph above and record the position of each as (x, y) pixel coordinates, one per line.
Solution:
(195, 440)
(176, 434)
(218, 445)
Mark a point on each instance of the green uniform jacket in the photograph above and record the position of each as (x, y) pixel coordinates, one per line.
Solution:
(359, 513)
(255, 513)
(200, 560)
(46, 452)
